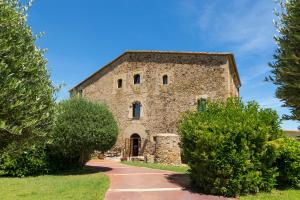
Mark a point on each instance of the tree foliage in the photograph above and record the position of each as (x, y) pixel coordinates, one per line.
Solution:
(26, 97)
(285, 156)
(286, 65)
(81, 127)
(26, 160)
(225, 147)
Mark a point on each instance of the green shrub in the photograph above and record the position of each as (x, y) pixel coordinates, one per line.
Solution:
(286, 158)
(225, 145)
(81, 127)
(23, 161)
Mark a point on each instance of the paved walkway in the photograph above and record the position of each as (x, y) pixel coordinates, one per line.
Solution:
(139, 183)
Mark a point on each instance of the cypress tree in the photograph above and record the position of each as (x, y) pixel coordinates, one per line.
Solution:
(286, 65)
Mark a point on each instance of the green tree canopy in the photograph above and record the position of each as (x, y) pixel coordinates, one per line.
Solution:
(26, 97)
(81, 127)
(225, 146)
(286, 67)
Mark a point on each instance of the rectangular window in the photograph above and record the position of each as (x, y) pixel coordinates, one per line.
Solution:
(136, 110)
(165, 79)
(136, 79)
(154, 138)
(201, 105)
(120, 83)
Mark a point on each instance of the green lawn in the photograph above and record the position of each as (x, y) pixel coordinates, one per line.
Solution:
(180, 169)
(275, 195)
(64, 186)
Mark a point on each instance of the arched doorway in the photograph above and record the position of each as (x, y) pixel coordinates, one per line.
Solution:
(135, 144)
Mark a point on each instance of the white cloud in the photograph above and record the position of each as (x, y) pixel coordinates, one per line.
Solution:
(270, 102)
(258, 71)
(245, 25)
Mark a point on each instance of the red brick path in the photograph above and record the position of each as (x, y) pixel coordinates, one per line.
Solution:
(139, 183)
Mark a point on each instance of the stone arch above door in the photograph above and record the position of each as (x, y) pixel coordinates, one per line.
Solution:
(135, 128)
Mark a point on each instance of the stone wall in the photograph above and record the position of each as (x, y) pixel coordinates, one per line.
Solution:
(167, 149)
(191, 76)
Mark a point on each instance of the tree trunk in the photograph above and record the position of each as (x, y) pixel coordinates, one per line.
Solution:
(82, 158)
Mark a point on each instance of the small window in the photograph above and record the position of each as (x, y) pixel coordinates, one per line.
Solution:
(136, 110)
(120, 83)
(137, 79)
(154, 138)
(201, 105)
(165, 79)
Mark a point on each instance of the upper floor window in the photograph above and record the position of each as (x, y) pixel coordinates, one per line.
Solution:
(136, 110)
(136, 79)
(165, 79)
(120, 82)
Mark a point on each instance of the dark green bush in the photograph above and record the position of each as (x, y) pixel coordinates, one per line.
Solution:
(22, 161)
(225, 147)
(81, 127)
(286, 158)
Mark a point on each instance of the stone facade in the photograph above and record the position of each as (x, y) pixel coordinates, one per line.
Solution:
(191, 76)
(167, 149)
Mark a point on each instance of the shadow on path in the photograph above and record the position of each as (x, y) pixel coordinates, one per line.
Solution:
(183, 181)
(84, 171)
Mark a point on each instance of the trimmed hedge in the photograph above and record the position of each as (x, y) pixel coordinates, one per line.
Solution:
(225, 147)
(81, 127)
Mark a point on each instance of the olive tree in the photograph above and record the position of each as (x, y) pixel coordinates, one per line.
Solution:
(82, 127)
(26, 97)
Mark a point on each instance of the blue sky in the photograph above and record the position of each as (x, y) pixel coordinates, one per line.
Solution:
(81, 36)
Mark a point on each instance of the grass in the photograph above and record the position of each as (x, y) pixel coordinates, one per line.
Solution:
(180, 169)
(83, 185)
(289, 194)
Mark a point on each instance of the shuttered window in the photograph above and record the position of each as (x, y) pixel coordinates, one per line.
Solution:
(201, 105)
(136, 110)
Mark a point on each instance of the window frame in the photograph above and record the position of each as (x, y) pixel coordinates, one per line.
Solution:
(201, 104)
(120, 83)
(154, 138)
(165, 79)
(136, 79)
(136, 114)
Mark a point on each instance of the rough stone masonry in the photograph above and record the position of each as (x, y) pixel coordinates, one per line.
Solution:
(148, 90)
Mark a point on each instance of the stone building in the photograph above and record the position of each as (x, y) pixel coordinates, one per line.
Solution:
(148, 90)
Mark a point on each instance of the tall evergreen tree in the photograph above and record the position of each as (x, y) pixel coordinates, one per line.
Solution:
(26, 92)
(286, 65)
